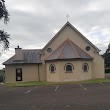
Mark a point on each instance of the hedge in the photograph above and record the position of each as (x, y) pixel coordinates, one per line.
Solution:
(2, 73)
(107, 70)
(1, 78)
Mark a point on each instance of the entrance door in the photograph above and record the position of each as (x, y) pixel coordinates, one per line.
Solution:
(18, 74)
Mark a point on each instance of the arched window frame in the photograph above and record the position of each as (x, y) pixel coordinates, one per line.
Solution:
(87, 67)
(52, 68)
(68, 71)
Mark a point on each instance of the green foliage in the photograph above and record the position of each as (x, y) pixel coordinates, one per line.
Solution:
(1, 78)
(3, 11)
(4, 42)
(2, 73)
(107, 70)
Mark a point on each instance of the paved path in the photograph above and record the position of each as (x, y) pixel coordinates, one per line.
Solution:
(107, 75)
(56, 97)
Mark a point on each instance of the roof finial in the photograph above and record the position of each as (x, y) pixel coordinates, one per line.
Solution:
(67, 17)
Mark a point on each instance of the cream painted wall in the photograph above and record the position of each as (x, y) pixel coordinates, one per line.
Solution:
(98, 67)
(9, 74)
(42, 71)
(29, 73)
(68, 32)
(61, 76)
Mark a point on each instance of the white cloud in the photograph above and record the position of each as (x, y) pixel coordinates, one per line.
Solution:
(100, 36)
(34, 22)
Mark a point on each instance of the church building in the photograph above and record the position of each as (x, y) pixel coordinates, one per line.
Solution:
(68, 56)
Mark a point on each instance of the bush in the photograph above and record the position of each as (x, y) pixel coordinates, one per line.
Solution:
(107, 70)
(2, 73)
(1, 78)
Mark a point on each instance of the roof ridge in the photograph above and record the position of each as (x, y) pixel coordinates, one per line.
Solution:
(67, 23)
(56, 49)
(63, 48)
(82, 50)
(82, 35)
(31, 49)
(8, 60)
(74, 49)
(76, 30)
(75, 52)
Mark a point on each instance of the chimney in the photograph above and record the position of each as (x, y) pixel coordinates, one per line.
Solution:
(18, 53)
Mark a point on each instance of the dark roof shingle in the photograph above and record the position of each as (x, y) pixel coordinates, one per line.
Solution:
(29, 56)
(68, 50)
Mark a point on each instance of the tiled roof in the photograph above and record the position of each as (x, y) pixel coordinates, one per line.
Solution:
(69, 50)
(29, 56)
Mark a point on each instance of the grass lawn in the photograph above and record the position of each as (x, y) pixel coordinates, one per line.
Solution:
(23, 84)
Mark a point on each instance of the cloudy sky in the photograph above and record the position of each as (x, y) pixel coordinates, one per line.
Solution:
(34, 22)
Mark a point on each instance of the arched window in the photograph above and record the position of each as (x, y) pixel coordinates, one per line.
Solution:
(85, 67)
(52, 68)
(69, 68)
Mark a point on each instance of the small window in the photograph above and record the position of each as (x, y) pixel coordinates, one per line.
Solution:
(18, 74)
(85, 67)
(88, 48)
(49, 50)
(52, 68)
(69, 68)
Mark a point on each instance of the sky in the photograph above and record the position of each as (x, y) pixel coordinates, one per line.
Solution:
(34, 22)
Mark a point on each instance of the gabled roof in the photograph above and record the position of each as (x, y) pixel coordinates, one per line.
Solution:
(29, 57)
(68, 23)
(69, 50)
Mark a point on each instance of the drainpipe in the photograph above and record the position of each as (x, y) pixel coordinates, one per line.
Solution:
(38, 73)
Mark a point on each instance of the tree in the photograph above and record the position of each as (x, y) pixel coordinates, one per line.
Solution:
(106, 57)
(4, 42)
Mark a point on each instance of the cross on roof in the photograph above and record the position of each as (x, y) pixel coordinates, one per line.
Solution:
(67, 16)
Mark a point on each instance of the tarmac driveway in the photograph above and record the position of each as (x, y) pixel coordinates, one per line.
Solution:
(56, 97)
(107, 76)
